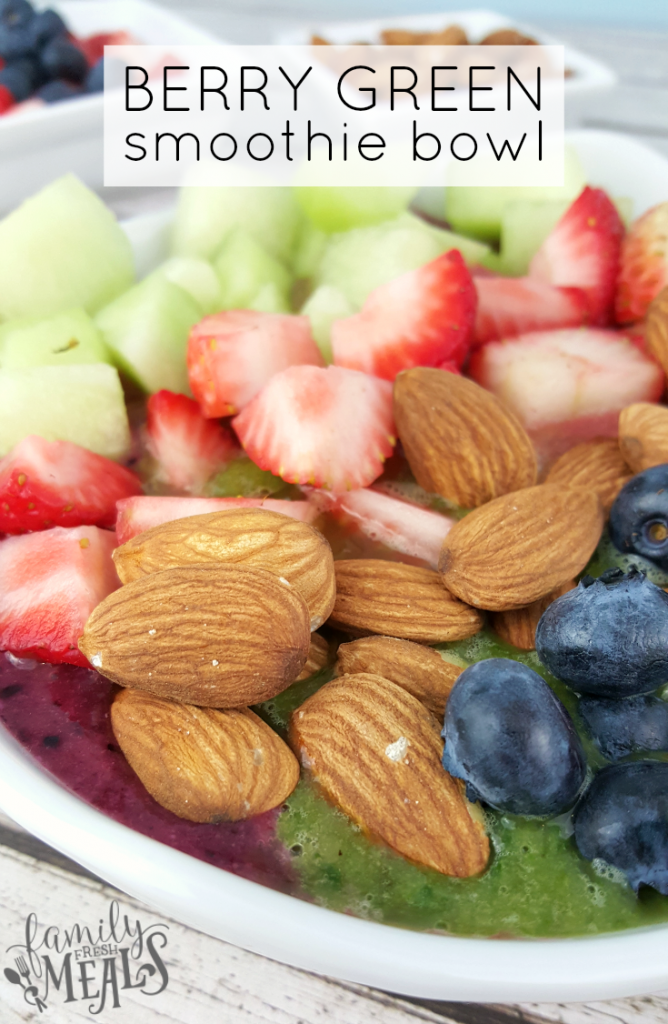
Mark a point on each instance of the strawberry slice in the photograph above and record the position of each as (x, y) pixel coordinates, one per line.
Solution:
(56, 483)
(582, 251)
(50, 582)
(422, 318)
(643, 268)
(232, 355)
(567, 386)
(330, 428)
(188, 447)
(415, 532)
(93, 46)
(508, 306)
(142, 513)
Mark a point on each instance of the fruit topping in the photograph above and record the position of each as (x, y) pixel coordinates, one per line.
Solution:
(330, 428)
(643, 270)
(622, 727)
(639, 516)
(656, 329)
(50, 582)
(623, 821)
(643, 435)
(55, 483)
(598, 465)
(609, 636)
(511, 740)
(509, 306)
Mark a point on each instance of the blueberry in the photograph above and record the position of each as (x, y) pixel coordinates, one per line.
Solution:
(58, 90)
(639, 516)
(44, 26)
(20, 77)
(62, 59)
(95, 77)
(511, 740)
(608, 637)
(623, 820)
(621, 727)
(15, 19)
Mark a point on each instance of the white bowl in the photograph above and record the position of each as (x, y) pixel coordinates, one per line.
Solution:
(299, 933)
(71, 131)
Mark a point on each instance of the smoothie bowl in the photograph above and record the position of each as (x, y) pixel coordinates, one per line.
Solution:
(236, 623)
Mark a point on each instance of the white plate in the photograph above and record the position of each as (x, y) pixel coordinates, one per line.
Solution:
(41, 144)
(307, 936)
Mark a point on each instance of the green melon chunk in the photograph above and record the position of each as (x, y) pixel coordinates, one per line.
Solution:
(524, 228)
(323, 307)
(63, 339)
(60, 249)
(310, 249)
(147, 330)
(478, 211)
(333, 209)
(205, 216)
(270, 299)
(244, 267)
(195, 276)
(82, 404)
(624, 206)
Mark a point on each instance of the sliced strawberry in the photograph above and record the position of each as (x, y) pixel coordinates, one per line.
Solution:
(56, 483)
(188, 447)
(508, 306)
(142, 513)
(567, 386)
(330, 428)
(92, 47)
(643, 268)
(582, 251)
(50, 582)
(422, 318)
(232, 355)
(414, 531)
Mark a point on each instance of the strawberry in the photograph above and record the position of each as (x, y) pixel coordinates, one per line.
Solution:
(582, 251)
(568, 386)
(7, 101)
(330, 428)
(56, 483)
(232, 355)
(142, 513)
(50, 582)
(188, 447)
(422, 318)
(508, 306)
(415, 532)
(643, 269)
(93, 46)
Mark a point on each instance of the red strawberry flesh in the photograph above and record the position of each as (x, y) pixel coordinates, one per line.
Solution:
(509, 306)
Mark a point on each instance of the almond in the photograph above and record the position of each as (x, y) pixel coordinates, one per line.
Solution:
(318, 656)
(643, 435)
(598, 465)
(419, 670)
(518, 627)
(656, 329)
(217, 636)
(203, 764)
(522, 546)
(394, 599)
(460, 441)
(376, 752)
(242, 536)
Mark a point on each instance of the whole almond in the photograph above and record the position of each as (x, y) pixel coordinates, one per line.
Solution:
(218, 636)
(241, 536)
(376, 752)
(318, 656)
(522, 546)
(656, 328)
(597, 464)
(643, 435)
(394, 599)
(419, 670)
(460, 441)
(518, 627)
(203, 764)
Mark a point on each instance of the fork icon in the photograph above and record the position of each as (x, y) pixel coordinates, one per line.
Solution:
(29, 990)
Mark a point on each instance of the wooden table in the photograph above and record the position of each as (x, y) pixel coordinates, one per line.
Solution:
(211, 981)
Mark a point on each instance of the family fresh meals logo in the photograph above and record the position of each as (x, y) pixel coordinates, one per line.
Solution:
(94, 965)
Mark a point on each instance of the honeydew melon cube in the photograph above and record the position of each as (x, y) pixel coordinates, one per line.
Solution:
(524, 228)
(323, 307)
(195, 276)
(333, 209)
(66, 338)
(206, 215)
(83, 404)
(270, 299)
(310, 248)
(60, 249)
(147, 330)
(244, 267)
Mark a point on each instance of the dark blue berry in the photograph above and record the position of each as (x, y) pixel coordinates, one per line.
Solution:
(511, 740)
(20, 78)
(609, 636)
(95, 77)
(628, 726)
(46, 25)
(58, 90)
(639, 516)
(623, 820)
(15, 39)
(62, 59)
